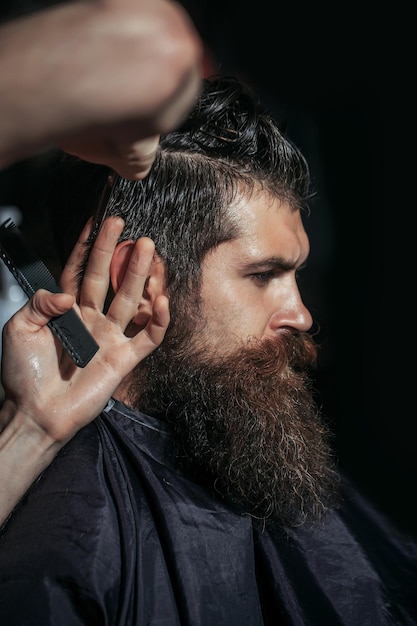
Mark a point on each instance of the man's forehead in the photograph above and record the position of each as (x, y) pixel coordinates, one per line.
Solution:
(256, 211)
(268, 228)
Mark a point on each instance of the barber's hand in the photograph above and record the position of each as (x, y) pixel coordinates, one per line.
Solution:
(101, 80)
(140, 70)
(129, 158)
(42, 384)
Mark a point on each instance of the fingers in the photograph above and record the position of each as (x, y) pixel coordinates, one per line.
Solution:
(158, 324)
(95, 283)
(133, 160)
(68, 280)
(145, 341)
(125, 303)
(93, 290)
(41, 308)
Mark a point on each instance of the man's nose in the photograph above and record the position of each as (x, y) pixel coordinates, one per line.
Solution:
(291, 312)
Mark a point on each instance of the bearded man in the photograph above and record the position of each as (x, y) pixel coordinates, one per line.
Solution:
(206, 492)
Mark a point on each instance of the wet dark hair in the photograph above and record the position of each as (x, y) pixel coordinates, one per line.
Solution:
(227, 147)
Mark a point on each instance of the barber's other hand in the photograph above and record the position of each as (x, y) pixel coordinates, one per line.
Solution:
(101, 79)
(42, 385)
(132, 160)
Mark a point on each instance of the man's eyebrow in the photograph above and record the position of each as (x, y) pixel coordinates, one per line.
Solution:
(275, 262)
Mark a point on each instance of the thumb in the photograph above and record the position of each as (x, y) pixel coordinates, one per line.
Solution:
(44, 305)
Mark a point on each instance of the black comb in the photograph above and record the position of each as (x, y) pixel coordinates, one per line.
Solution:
(32, 274)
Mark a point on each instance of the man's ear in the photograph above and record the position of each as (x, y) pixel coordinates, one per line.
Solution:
(154, 285)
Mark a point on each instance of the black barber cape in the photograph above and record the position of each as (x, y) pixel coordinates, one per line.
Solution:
(113, 534)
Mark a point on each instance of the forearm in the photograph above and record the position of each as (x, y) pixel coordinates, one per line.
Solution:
(25, 451)
(31, 55)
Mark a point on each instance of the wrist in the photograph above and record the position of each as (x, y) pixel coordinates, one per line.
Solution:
(19, 425)
(25, 451)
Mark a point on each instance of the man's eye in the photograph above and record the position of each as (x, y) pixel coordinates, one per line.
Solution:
(263, 277)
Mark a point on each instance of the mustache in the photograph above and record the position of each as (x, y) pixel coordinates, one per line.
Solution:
(287, 350)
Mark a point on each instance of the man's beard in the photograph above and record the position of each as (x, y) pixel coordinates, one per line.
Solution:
(247, 424)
